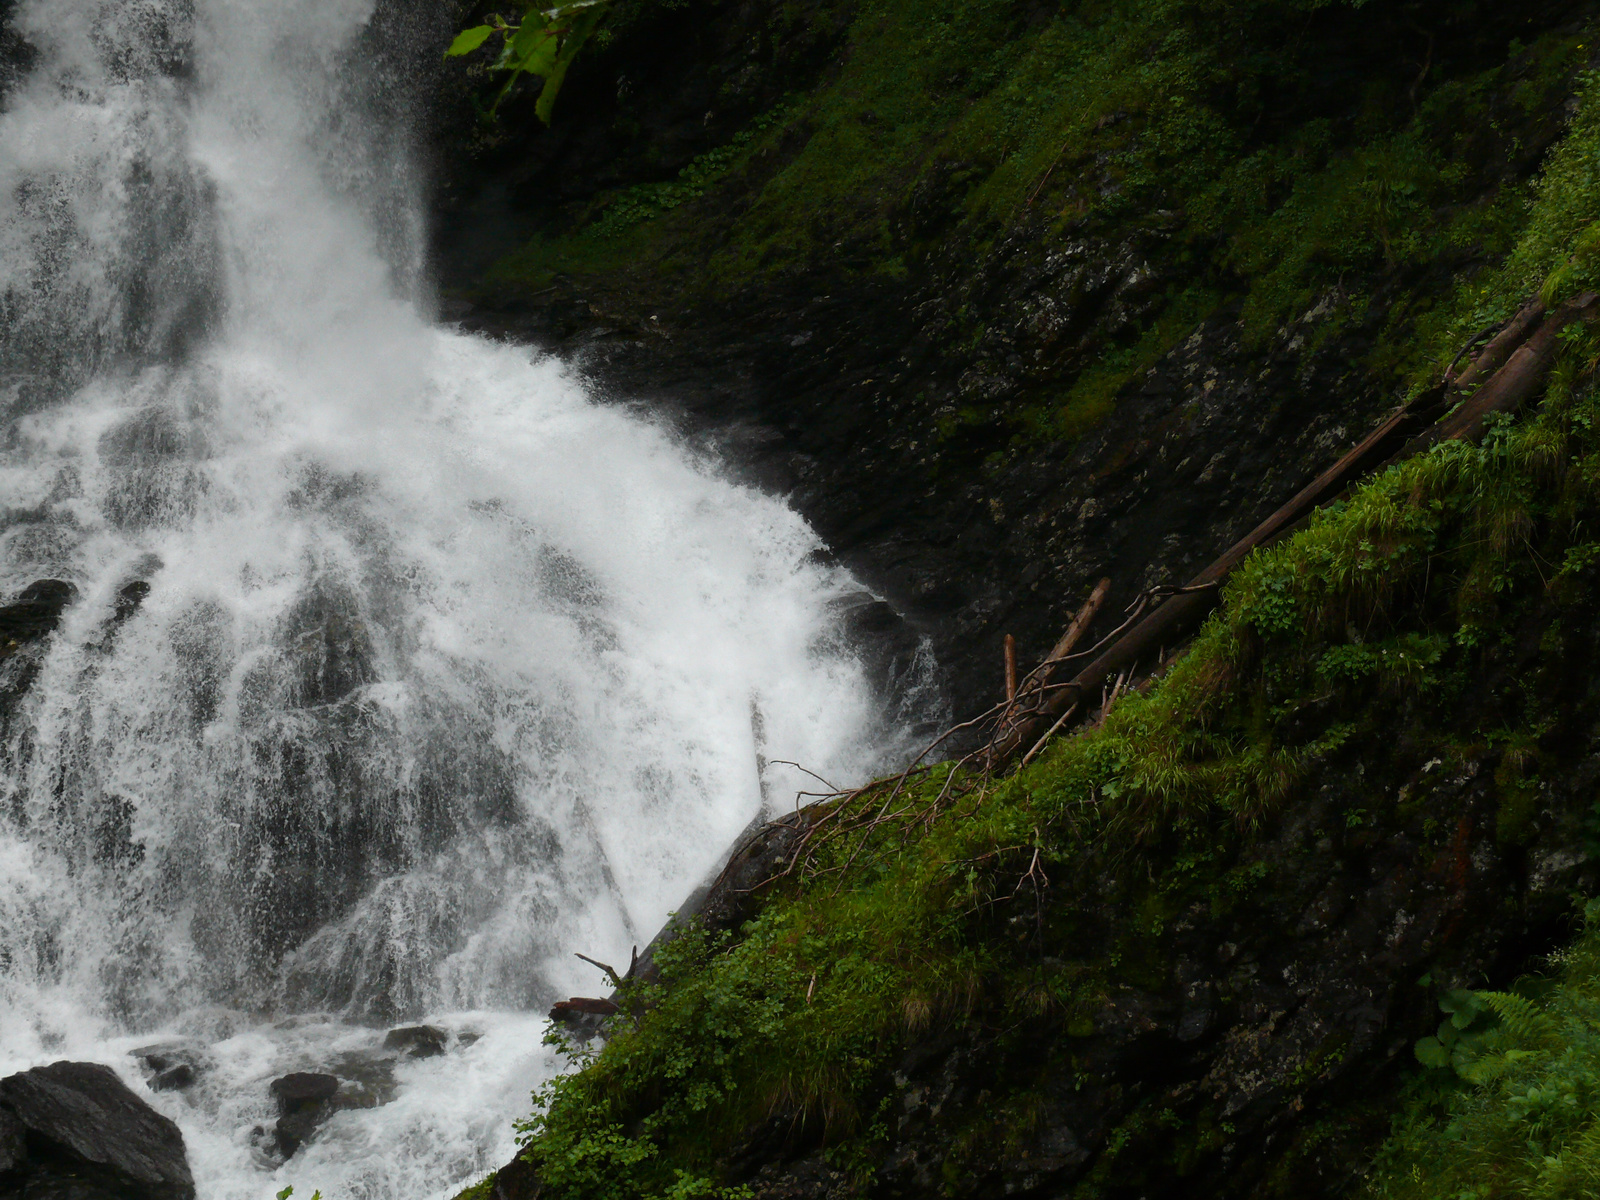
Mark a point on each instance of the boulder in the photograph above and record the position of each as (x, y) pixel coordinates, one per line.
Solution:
(36, 612)
(173, 1079)
(302, 1106)
(417, 1041)
(172, 1066)
(74, 1131)
(13, 1142)
(129, 597)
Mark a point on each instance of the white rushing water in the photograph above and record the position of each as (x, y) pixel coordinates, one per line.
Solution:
(445, 670)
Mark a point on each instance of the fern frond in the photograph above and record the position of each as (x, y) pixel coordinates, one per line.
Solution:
(1486, 1068)
(1520, 1017)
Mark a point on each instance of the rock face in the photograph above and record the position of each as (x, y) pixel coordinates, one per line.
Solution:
(172, 1066)
(303, 1104)
(74, 1131)
(36, 612)
(417, 1041)
(886, 388)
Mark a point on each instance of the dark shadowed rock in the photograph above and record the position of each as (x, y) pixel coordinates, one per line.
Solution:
(332, 652)
(303, 1087)
(302, 1106)
(13, 1147)
(74, 1131)
(172, 1066)
(417, 1041)
(173, 1079)
(129, 597)
(36, 612)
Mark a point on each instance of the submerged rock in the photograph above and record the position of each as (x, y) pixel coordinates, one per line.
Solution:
(302, 1106)
(172, 1066)
(417, 1041)
(35, 613)
(74, 1131)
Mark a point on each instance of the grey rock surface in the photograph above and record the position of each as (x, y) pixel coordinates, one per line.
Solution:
(74, 1131)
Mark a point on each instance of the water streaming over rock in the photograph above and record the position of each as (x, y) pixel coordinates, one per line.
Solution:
(398, 669)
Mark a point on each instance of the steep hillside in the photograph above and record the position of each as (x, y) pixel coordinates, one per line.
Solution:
(1010, 297)
(1013, 297)
(1191, 949)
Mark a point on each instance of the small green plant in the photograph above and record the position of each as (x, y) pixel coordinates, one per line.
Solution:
(1511, 1103)
(542, 44)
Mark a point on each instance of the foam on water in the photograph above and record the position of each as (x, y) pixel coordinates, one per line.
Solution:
(445, 672)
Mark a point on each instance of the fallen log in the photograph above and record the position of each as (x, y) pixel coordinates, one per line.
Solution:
(1026, 701)
(1494, 355)
(1520, 359)
(1525, 369)
(1075, 631)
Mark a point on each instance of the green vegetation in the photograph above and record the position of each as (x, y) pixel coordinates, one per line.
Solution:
(924, 903)
(900, 926)
(1511, 1106)
(1183, 135)
(542, 44)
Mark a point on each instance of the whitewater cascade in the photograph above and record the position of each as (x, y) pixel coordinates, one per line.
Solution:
(444, 670)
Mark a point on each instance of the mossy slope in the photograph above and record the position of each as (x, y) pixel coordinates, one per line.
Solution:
(1182, 952)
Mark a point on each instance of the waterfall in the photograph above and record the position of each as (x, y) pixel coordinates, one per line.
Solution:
(399, 668)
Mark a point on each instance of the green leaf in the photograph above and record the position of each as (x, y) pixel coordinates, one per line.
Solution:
(1463, 1005)
(468, 40)
(581, 28)
(534, 49)
(1431, 1054)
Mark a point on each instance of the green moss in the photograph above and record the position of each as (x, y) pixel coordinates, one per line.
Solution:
(1094, 393)
(947, 125)
(921, 902)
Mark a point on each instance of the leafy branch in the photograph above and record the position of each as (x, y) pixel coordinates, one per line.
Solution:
(542, 44)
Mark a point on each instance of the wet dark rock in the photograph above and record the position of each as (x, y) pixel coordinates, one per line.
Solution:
(417, 1041)
(172, 1066)
(152, 456)
(202, 643)
(24, 624)
(34, 613)
(13, 1141)
(366, 1079)
(303, 1104)
(164, 1056)
(173, 1079)
(151, 435)
(303, 1087)
(331, 651)
(129, 599)
(306, 1099)
(74, 1131)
